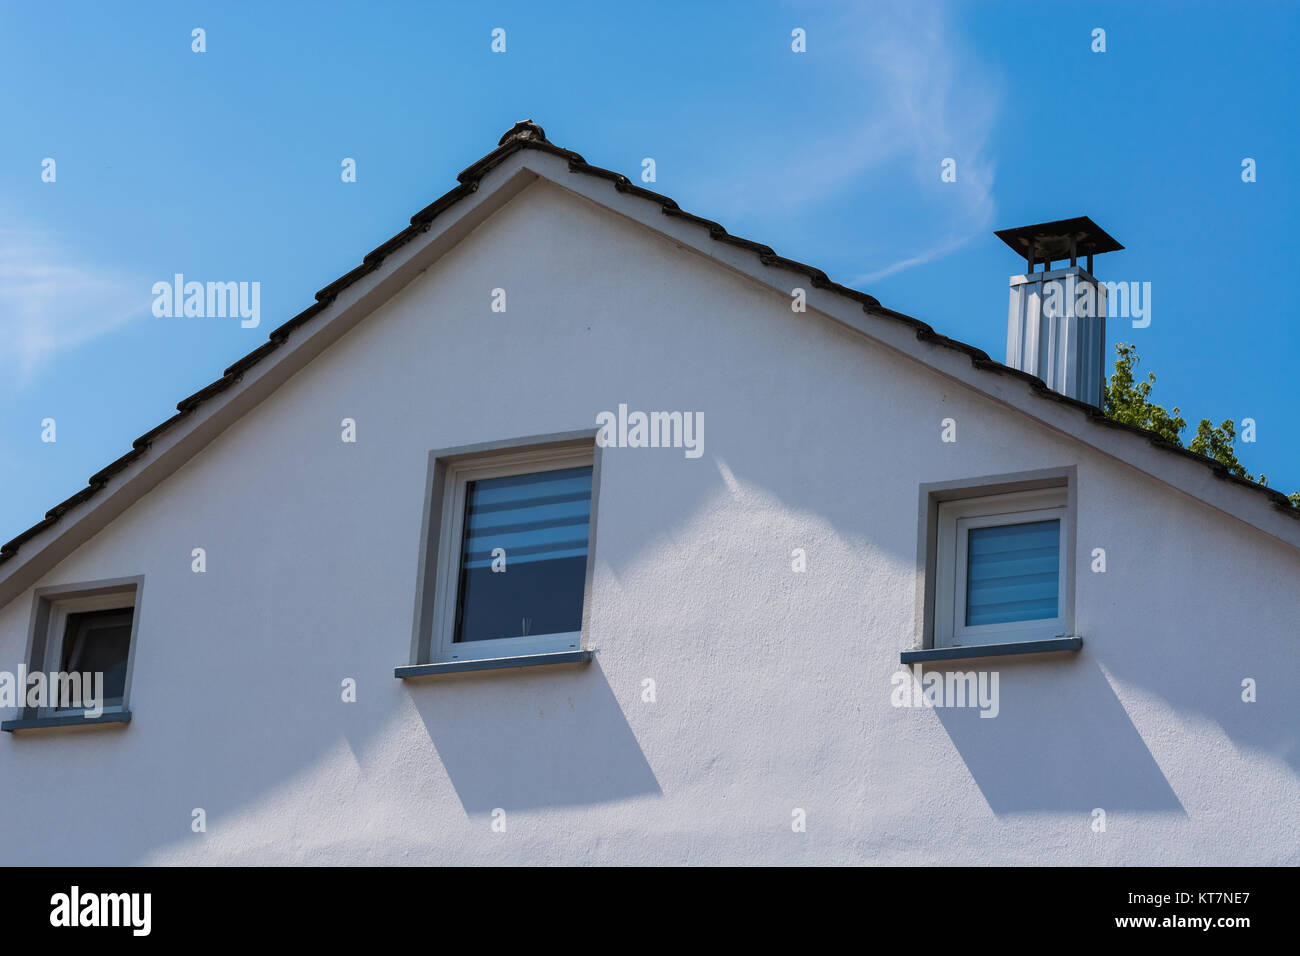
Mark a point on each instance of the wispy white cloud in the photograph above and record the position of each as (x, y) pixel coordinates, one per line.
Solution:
(936, 250)
(942, 103)
(52, 299)
(908, 95)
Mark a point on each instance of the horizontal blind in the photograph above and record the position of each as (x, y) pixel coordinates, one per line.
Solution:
(1013, 573)
(537, 517)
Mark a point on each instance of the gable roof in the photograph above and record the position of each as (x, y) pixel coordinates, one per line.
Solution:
(528, 136)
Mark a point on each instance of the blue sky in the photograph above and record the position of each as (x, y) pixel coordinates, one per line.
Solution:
(225, 165)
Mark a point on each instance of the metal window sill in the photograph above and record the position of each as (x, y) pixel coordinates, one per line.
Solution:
(404, 671)
(68, 720)
(1055, 645)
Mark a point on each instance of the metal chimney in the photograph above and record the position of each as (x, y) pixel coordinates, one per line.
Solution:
(1056, 325)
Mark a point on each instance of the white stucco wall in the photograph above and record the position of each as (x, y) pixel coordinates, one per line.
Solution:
(773, 688)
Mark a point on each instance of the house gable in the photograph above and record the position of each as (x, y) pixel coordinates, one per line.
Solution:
(771, 683)
(524, 157)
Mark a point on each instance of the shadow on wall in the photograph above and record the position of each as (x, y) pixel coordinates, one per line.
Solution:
(1211, 684)
(541, 739)
(1061, 742)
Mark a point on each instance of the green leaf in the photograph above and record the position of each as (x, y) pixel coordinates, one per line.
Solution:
(1128, 400)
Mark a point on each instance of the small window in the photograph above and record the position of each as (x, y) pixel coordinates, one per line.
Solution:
(99, 642)
(1001, 569)
(512, 560)
(85, 636)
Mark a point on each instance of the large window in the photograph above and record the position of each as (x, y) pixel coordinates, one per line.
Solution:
(514, 537)
(523, 555)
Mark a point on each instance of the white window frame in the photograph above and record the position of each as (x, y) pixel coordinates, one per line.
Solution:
(60, 609)
(442, 643)
(955, 520)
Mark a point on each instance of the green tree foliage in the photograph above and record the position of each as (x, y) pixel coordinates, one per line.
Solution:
(1128, 400)
(1217, 443)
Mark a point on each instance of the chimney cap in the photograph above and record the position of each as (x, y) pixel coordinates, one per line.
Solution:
(1050, 241)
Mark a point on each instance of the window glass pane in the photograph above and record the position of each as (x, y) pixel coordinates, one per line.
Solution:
(540, 521)
(1012, 572)
(98, 642)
